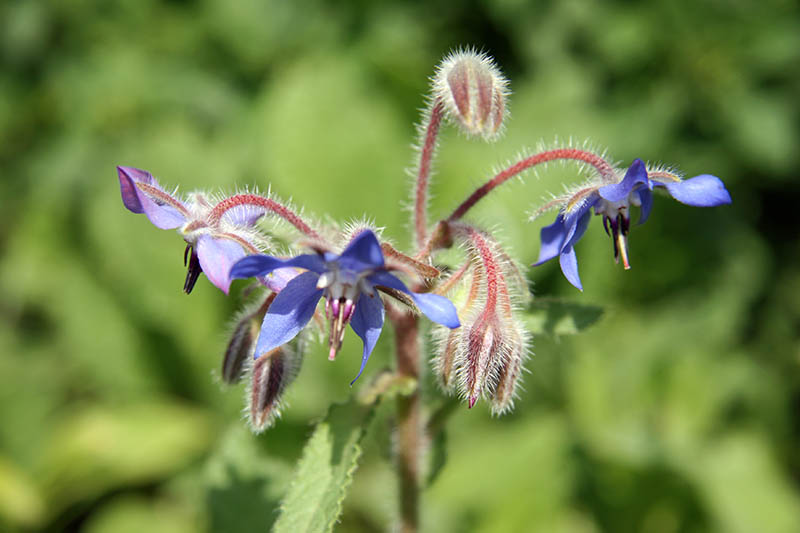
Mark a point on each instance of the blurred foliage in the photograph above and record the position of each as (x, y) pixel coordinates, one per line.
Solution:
(677, 411)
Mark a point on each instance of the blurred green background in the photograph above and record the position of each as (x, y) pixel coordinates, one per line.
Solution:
(676, 412)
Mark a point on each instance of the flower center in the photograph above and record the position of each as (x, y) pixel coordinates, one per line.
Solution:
(342, 289)
(616, 216)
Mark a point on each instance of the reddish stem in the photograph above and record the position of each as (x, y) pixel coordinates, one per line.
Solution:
(424, 172)
(270, 205)
(410, 433)
(600, 164)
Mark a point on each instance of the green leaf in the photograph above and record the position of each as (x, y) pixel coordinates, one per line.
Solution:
(244, 484)
(325, 471)
(550, 316)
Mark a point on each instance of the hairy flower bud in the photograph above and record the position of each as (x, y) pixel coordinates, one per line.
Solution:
(271, 374)
(473, 92)
(509, 370)
(241, 347)
(483, 359)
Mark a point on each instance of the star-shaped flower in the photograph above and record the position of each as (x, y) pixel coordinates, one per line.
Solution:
(348, 283)
(613, 202)
(214, 244)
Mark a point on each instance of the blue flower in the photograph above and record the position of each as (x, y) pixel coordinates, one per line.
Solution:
(613, 203)
(348, 283)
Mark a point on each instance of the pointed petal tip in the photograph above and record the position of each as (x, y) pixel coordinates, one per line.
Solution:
(363, 253)
(471, 401)
(704, 190)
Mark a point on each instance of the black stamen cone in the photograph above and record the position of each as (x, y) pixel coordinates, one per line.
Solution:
(194, 269)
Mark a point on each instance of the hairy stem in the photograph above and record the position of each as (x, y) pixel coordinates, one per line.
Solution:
(259, 201)
(600, 164)
(424, 172)
(409, 437)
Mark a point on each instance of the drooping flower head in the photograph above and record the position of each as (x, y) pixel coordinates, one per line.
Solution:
(213, 243)
(613, 202)
(348, 283)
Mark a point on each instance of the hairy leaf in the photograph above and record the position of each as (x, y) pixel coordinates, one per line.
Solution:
(325, 471)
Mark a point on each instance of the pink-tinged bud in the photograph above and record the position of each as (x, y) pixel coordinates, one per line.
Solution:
(509, 371)
(473, 91)
(241, 346)
(483, 358)
(271, 373)
(444, 360)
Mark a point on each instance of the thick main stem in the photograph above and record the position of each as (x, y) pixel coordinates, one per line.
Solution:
(600, 164)
(408, 443)
(424, 172)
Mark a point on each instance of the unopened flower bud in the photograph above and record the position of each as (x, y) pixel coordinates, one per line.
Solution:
(509, 371)
(482, 353)
(473, 92)
(241, 346)
(483, 359)
(271, 373)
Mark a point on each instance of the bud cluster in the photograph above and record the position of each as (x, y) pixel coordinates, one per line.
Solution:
(483, 358)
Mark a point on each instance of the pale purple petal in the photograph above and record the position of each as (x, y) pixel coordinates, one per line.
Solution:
(161, 214)
(289, 313)
(244, 215)
(367, 322)
(216, 257)
(437, 308)
(261, 265)
(701, 191)
(363, 253)
(278, 278)
(636, 174)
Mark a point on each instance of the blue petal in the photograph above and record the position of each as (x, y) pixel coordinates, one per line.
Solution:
(437, 308)
(636, 174)
(568, 260)
(701, 191)
(576, 226)
(569, 266)
(367, 322)
(162, 216)
(553, 237)
(216, 256)
(260, 265)
(646, 196)
(291, 310)
(363, 253)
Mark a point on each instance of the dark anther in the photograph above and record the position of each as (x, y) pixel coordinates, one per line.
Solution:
(194, 269)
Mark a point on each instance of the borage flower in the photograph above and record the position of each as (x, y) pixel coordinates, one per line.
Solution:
(348, 282)
(613, 202)
(214, 243)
